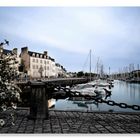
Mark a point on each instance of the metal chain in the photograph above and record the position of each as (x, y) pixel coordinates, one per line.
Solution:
(70, 93)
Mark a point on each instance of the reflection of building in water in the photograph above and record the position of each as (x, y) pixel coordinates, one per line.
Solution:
(86, 104)
(51, 103)
(77, 99)
(132, 91)
(138, 86)
(80, 104)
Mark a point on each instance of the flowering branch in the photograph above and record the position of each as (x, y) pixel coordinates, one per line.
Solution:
(9, 92)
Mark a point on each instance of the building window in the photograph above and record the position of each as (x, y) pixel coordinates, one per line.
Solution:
(37, 55)
(33, 66)
(36, 60)
(47, 62)
(34, 73)
(36, 66)
(41, 56)
(48, 68)
(40, 61)
(33, 54)
(33, 60)
(44, 61)
(45, 67)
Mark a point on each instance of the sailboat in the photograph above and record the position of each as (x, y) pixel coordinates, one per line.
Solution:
(90, 66)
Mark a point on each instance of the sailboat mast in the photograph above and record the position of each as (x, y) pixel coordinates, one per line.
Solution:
(90, 66)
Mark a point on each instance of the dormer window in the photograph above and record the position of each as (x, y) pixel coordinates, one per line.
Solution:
(37, 55)
(33, 54)
(41, 56)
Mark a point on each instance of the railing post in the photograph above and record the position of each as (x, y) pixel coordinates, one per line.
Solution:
(38, 101)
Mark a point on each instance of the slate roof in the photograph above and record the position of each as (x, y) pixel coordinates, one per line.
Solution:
(5, 51)
(43, 55)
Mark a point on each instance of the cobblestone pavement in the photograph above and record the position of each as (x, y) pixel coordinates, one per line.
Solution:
(75, 122)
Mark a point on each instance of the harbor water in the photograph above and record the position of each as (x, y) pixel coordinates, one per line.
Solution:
(122, 92)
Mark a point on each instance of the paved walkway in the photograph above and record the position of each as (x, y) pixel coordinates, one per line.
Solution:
(75, 122)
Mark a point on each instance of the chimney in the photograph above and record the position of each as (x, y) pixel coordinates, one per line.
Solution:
(15, 51)
(46, 53)
(24, 50)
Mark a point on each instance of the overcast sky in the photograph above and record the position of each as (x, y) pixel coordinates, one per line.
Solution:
(68, 34)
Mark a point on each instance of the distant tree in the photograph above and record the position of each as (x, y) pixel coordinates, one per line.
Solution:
(80, 74)
(86, 74)
(41, 71)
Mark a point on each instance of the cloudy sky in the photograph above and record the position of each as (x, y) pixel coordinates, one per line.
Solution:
(68, 34)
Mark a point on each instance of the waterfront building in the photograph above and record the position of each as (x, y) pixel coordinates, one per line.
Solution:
(35, 65)
(60, 70)
(39, 65)
(15, 53)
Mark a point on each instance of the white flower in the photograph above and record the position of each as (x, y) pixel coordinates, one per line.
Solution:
(8, 87)
(13, 123)
(17, 95)
(4, 107)
(2, 94)
(14, 106)
(2, 122)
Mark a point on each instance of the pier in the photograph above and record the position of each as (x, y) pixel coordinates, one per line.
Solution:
(40, 92)
(38, 118)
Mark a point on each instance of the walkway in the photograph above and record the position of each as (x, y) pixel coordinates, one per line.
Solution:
(74, 122)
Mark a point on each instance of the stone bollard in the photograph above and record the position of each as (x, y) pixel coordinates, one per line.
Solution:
(38, 101)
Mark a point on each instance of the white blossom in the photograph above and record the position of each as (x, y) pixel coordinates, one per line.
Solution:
(2, 94)
(17, 95)
(9, 92)
(4, 107)
(2, 122)
(14, 106)
(13, 123)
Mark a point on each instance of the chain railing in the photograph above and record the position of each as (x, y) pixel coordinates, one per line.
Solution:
(41, 92)
(70, 93)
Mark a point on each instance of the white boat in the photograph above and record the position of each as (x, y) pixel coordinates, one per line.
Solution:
(51, 103)
(99, 90)
(86, 91)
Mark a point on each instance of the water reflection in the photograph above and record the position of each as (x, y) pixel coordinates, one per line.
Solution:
(122, 92)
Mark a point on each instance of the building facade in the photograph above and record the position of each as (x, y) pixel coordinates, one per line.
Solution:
(38, 65)
(14, 52)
